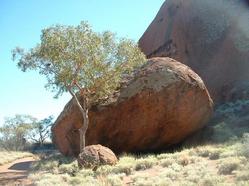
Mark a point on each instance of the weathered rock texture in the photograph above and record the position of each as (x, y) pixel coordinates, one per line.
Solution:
(96, 155)
(212, 37)
(164, 102)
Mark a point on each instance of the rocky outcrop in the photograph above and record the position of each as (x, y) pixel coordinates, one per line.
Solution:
(160, 105)
(212, 37)
(96, 155)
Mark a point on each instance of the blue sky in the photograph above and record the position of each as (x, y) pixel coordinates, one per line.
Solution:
(21, 23)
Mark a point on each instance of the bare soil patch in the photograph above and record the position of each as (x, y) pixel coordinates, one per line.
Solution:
(16, 172)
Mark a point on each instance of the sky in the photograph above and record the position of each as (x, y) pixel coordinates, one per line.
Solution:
(21, 23)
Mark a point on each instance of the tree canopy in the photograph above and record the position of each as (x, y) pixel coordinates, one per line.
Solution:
(76, 57)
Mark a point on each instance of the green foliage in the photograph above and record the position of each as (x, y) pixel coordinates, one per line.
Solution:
(76, 58)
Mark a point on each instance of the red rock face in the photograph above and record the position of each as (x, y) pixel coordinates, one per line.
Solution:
(212, 37)
(163, 103)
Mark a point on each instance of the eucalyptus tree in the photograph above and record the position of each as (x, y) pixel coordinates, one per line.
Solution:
(14, 132)
(18, 131)
(40, 130)
(77, 60)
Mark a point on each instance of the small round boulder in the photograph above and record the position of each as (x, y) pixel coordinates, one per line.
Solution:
(96, 155)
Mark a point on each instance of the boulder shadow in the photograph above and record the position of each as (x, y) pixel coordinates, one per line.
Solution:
(22, 166)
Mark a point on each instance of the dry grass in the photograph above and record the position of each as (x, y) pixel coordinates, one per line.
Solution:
(9, 156)
(204, 165)
(222, 160)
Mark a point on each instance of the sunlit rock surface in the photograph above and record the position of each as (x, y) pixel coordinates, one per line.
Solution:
(160, 105)
(212, 37)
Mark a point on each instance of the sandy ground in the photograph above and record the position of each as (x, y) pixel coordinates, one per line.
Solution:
(16, 172)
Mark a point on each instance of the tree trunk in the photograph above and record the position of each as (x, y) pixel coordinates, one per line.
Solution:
(83, 129)
(84, 112)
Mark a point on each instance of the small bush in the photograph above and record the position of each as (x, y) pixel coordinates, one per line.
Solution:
(69, 168)
(211, 180)
(166, 162)
(125, 165)
(127, 169)
(169, 173)
(214, 155)
(49, 180)
(117, 169)
(183, 160)
(245, 145)
(203, 152)
(114, 180)
(85, 173)
(45, 165)
(142, 180)
(84, 181)
(228, 165)
(243, 175)
(146, 163)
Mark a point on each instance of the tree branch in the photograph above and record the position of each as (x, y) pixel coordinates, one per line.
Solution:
(35, 140)
(76, 99)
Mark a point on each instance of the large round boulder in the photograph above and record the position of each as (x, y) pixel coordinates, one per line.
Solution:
(160, 105)
(211, 37)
